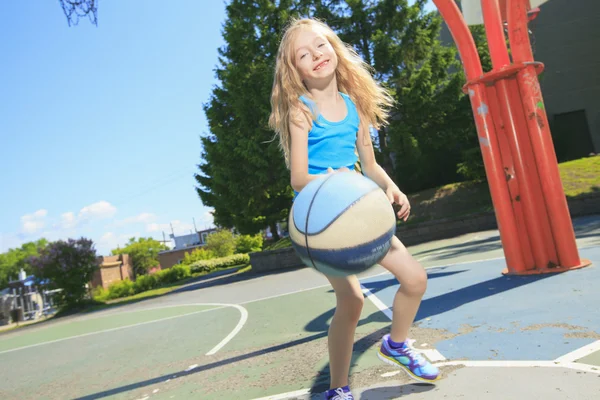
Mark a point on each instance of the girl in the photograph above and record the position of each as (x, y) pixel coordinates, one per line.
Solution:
(323, 101)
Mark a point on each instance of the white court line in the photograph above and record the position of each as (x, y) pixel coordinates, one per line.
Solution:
(362, 278)
(582, 367)
(432, 354)
(238, 327)
(284, 294)
(283, 396)
(217, 306)
(235, 331)
(499, 363)
(378, 303)
(490, 364)
(580, 353)
(522, 364)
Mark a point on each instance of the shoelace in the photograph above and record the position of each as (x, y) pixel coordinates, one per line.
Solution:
(341, 395)
(416, 355)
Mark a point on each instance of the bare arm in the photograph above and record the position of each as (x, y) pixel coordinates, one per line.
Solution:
(299, 154)
(369, 165)
(373, 171)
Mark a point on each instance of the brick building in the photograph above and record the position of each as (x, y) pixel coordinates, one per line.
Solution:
(112, 269)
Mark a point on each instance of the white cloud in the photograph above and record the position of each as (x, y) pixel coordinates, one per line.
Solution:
(180, 228)
(99, 210)
(206, 220)
(95, 211)
(143, 218)
(110, 240)
(31, 223)
(68, 220)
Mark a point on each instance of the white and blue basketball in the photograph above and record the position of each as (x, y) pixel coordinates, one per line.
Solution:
(342, 224)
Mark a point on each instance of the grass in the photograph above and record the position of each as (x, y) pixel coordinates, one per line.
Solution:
(280, 244)
(580, 177)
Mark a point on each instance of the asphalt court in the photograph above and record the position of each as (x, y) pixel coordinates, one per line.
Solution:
(266, 336)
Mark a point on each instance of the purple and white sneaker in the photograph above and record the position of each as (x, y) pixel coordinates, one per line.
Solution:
(342, 393)
(409, 360)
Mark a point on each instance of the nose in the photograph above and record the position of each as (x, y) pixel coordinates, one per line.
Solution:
(317, 54)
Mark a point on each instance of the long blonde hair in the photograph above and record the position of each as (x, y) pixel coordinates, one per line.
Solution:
(353, 78)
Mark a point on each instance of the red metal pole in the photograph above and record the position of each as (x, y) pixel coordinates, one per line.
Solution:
(495, 34)
(511, 177)
(540, 232)
(534, 221)
(541, 140)
(486, 133)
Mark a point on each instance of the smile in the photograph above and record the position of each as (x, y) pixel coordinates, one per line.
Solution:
(318, 67)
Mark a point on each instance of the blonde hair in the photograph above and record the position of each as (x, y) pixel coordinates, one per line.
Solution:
(353, 78)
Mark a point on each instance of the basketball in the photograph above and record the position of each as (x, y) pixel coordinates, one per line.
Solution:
(341, 224)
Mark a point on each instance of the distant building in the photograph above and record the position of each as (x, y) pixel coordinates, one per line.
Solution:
(112, 269)
(564, 36)
(183, 244)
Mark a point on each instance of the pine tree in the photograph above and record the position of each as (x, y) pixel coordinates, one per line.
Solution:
(243, 175)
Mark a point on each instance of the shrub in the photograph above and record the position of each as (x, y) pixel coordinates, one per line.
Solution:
(146, 282)
(248, 244)
(221, 243)
(472, 167)
(100, 294)
(218, 263)
(68, 266)
(197, 255)
(142, 284)
(122, 288)
(174, 274)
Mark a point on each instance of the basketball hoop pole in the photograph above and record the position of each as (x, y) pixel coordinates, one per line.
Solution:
(531, 209)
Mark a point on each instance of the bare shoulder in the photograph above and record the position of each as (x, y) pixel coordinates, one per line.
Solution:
(299, 123)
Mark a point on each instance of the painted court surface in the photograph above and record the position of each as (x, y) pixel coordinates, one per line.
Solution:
(265, 337)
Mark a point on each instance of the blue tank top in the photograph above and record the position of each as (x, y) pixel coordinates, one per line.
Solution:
(332, 144)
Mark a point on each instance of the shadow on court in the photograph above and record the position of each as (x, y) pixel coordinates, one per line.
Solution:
(320, 324)
(429, 307)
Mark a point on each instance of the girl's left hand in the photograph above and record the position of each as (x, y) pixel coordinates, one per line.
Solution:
(396, 196)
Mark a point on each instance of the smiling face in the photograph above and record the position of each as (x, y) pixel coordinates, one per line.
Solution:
(314, 57)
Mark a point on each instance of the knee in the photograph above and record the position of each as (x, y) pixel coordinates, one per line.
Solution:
(351, 304)
(416, 285)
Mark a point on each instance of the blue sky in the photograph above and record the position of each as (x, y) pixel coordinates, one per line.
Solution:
(100, 126)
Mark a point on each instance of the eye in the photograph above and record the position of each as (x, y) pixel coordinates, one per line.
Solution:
(303, 55)
(322, 44)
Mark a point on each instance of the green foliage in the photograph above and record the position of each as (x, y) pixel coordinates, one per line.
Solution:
(143, 253)
(13, 260)
(100, 294)
(119, 289)
(247, 244)
(242, 174)
(472, 167)
(218, 263)
(147, 282)
(68, 266)
(174, 274)
(431, 140)
(221, 243)
(143, 283)
(197, 255)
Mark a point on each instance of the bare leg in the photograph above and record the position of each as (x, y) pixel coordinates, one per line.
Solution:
(413, 283)
(349, 305)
